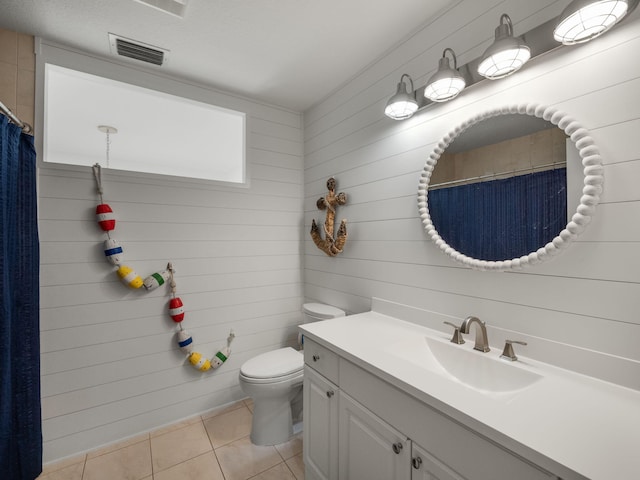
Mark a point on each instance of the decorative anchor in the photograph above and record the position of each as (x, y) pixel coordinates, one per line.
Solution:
(330, 246)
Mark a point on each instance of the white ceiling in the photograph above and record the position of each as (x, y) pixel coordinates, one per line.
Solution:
(291, 53)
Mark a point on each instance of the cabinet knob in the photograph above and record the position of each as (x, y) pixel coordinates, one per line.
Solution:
(316, 358)
(330, 393)
(416, 462)
(397, 447)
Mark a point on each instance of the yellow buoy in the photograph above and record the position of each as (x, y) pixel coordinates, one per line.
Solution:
(130, 277)
(199, 361)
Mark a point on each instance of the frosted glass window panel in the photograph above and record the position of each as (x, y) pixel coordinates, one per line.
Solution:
(157, 132)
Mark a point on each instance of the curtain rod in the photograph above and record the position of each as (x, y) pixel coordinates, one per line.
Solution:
(532, 169)
(26, 128)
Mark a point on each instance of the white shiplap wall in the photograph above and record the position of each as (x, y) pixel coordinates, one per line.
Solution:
(585, 300)
(111, 367)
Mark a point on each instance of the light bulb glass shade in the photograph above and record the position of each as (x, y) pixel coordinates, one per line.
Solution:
(400, 108)
(446, 83)
(403, 104)
(506, 55)
(584, 20)
(504, 62)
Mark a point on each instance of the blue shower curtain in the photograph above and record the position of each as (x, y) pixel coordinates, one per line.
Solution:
(20, 417)
(502, 219)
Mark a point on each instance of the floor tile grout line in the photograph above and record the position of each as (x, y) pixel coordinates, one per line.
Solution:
(265, 470)
(219, 464)
(84, 465)
(230, 441)
(212, 450)
(215, 455)
(204, 425)
(153, 473)
(292, 472)
(185, 461)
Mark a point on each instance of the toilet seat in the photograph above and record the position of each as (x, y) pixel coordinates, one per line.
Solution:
(274, 366)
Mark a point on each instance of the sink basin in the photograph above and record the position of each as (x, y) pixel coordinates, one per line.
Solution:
(477, 370)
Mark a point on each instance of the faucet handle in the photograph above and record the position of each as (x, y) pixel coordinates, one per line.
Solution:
(457, 337)
(508, 352)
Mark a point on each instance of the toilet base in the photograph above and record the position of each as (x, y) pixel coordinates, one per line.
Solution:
(271, 423)
(297, 427)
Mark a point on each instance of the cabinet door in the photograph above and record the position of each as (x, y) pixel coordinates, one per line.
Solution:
(426, 467)
(320, 431)
(370, 449)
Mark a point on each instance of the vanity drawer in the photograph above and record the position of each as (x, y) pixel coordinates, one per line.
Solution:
(321, 359)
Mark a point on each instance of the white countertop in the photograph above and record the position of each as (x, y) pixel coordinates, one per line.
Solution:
(586, 425)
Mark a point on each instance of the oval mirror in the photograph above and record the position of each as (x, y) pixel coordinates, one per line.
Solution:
(487, 219)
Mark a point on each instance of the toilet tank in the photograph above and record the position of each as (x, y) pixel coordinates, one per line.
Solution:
(319, 311)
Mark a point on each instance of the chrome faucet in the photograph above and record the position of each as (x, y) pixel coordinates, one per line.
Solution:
(482, 343)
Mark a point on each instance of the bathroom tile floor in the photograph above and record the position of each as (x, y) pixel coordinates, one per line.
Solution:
(214, 446)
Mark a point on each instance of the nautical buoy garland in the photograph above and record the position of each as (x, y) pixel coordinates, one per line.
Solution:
(114, 253)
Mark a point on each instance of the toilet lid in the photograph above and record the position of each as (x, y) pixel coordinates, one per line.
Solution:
(276, 363)
(320, 310)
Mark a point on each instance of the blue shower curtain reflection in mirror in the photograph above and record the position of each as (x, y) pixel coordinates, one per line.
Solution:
(501, 219)
(20, 417)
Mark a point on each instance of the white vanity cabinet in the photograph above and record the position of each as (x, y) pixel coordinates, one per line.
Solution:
(370, 448)
(320, 410)
(358, 426)
(426, 467)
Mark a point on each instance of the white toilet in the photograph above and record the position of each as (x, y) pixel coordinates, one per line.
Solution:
(274, 381)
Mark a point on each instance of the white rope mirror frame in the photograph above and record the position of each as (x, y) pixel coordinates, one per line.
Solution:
(593, 181)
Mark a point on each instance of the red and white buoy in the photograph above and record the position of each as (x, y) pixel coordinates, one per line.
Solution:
(176, 309)
(105, 216)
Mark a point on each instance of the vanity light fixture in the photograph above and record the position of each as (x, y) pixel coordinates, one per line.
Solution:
(447, 82)
(507, 53)
(584, 20)
(403, 104)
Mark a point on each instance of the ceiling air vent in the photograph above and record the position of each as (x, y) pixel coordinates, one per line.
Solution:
(126, 47)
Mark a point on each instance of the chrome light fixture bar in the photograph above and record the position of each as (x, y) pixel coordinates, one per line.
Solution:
(540, 40)
(584, 20)
(403, 104)
(447, 82)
